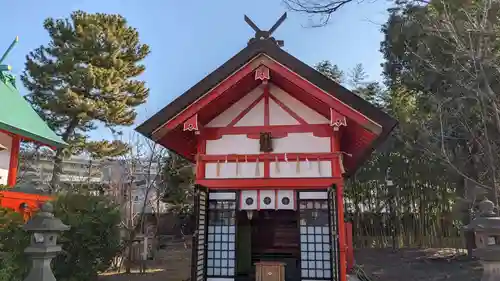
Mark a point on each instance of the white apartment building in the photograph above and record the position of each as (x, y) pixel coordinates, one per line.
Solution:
(131, 181)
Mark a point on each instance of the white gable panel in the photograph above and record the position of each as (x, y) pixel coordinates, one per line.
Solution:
(302, 143)
(306, 169)
(233, 144)
(255, 117)
(305, 112)
(230, 171)
(278, 116)
(6, 141)
(229, 114)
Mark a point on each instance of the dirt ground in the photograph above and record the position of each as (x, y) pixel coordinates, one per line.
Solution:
(417, 265)
(379, 264)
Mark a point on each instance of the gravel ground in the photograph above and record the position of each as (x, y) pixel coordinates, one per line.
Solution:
(379, 264)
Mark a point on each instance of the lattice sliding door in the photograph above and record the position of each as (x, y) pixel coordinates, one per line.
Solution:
(332, 207)
(221, 237)
(318, 242)
(198, 259)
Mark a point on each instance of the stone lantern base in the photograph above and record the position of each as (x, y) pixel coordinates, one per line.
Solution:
(491, 270)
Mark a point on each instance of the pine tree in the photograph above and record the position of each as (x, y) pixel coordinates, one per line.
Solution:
(85, 76)
(330, 70)
(357, 76)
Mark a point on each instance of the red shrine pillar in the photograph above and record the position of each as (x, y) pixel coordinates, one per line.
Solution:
(14, 160)
(338, 171)
(350, 247)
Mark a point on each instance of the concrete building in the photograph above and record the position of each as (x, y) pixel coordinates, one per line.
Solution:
(129, 182)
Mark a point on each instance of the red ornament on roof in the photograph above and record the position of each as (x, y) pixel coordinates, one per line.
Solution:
(192, 124)
(262, 73)
(337, 120)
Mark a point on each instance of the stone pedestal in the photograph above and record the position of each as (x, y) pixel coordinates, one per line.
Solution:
(491, 270)
(44, 229)
(487, 229)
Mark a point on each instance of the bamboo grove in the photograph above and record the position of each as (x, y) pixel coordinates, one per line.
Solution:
(440, 70)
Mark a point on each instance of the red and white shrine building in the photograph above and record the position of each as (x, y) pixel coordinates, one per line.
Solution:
(273, 141)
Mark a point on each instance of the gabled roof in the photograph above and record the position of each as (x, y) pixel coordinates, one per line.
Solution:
(270, 49)
(18, 117)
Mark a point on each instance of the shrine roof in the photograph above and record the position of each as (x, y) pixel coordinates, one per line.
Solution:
(18, 117)
(270, 49)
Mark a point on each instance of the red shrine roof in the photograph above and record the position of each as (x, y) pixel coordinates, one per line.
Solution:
(367, 126)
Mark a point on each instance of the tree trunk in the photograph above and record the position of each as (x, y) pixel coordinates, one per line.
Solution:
(58, 158)
(392, 217)
(56, 171)
(470, 238)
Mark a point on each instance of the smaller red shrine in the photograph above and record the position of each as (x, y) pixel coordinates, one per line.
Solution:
(19, 122)
(273, 141)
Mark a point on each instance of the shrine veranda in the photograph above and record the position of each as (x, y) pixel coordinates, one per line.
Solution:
(272, 140)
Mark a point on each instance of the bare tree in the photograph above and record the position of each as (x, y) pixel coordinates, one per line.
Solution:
(135, 184)
(133, 181)
(324, 9)
(448, 64)
(467, 61)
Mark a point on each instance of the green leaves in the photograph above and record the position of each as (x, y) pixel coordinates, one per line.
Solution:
(178, 176)
(88, 247)
(93, 240)
(106, 149)
(330, 70)
(444, 58)
(86, 75)
(13, 241)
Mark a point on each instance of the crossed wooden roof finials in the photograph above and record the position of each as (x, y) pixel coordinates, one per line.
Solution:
(266, 34)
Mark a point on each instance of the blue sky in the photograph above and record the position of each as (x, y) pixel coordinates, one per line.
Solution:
(189, 39)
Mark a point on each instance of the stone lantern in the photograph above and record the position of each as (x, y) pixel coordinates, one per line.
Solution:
(487, 229)
(44, 229)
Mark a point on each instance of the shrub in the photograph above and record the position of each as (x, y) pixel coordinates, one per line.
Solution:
(88, 247)
(93, 240)
(13, 241)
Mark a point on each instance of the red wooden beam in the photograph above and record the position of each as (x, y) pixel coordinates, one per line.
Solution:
(267, 118)
(26, 139)
(275, 183)
(327, 98)
(289, 111)
(266, 105)
(318, 130)
(245, 111)
(200, 165)
(13, 200)
(14, 160)
(269, 156)
(205, 100)
(335, 147)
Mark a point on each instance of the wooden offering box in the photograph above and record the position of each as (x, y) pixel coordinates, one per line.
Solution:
(269, 271)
